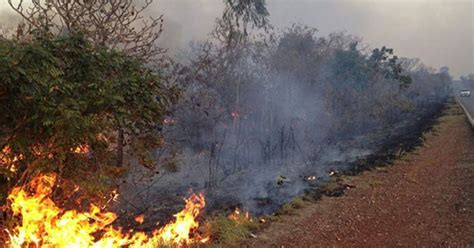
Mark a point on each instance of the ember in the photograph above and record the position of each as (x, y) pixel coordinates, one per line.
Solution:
(44, 224)
(140, 218)
(8, 162)
(239, 216)
(82, 149)
(311, 178)
(235, 114)
(169, 121)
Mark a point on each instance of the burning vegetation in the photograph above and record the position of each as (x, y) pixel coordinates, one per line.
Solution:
(251, 116)
(42, 223)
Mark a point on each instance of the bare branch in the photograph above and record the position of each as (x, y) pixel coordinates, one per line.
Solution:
(116, 24)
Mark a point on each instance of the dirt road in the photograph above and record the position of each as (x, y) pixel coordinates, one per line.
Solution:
(425, 199)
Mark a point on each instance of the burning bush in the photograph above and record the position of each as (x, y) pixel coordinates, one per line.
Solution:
(43, 223)
(61, 94)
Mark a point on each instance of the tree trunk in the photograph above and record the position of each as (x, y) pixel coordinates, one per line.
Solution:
(120, 139)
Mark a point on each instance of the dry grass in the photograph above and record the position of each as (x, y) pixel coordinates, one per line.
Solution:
(291, 206)
(227, 233)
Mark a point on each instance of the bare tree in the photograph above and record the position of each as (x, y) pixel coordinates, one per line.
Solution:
(117, 24)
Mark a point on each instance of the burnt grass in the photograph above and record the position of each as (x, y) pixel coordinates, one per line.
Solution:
(391, 143)
(400, 141)
(404, 140)
(387, 145)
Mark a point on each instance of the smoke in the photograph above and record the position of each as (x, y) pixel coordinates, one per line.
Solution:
(263, 121)
(437, 31)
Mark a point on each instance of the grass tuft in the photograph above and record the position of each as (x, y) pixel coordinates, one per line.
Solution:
(290, 207)
(228, 232)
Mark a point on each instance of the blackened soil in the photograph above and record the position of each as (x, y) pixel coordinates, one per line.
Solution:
(425, 199)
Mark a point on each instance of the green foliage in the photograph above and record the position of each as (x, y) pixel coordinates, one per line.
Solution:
(60, 92)
(382, 60)
(246, 11)
(353, 66)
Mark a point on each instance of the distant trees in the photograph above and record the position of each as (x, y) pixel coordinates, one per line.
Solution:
(241, 13)
(468, 80)
(469, 77)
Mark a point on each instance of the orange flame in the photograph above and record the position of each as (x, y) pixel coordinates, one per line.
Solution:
(7, 161)
(140, 218)
(239, 216)
(81, 149)
(44, 224)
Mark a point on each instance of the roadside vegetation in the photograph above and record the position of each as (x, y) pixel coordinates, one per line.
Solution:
(467, 80)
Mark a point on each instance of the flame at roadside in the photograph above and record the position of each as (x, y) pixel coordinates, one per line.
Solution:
(44, 224)
(239, 216)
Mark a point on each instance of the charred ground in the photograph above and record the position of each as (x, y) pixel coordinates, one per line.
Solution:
(424, 199)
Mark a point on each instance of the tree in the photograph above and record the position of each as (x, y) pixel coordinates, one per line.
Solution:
(61, 100)
(117, 25)
(245, 12)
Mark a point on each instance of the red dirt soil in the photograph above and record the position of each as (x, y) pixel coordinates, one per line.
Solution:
(425, 199)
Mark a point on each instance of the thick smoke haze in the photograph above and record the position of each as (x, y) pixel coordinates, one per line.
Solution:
(439, 32)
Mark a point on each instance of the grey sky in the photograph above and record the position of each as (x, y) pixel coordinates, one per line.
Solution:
(439, 32)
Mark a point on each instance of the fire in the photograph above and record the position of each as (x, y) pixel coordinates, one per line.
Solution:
(140, 218)
(44, 224)
(239, 216)
(7, 161)
(81, 149)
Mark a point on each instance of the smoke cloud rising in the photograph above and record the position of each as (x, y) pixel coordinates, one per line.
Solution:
(439, 32)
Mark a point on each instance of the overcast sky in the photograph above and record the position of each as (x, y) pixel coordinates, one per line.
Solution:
(439, 32)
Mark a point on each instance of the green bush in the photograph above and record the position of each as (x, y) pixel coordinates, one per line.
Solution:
(59, 92)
